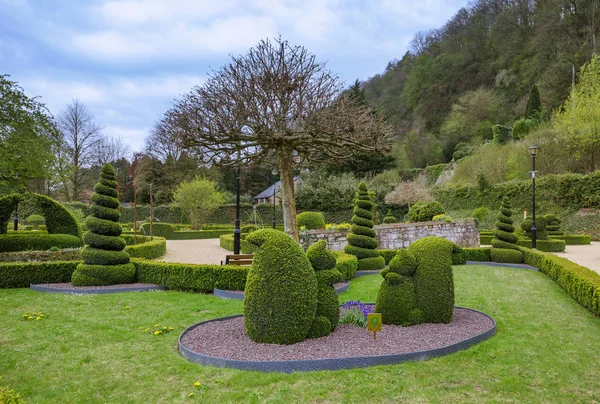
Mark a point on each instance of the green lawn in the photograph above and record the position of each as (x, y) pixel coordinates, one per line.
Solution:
(89, 349)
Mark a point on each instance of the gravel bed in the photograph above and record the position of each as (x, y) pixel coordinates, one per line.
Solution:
(227, 339)
(120, 286)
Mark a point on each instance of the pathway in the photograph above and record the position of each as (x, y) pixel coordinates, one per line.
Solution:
(585, 255)
(195, 251)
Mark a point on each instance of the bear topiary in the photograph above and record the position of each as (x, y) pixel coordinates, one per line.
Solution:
(434, 284)
(504, 234)
(541, 232)
(311, 220)
(280, 298)
(389, 218)
(104, 261)
(328, 305)
(361, 239)
(397, 300)
(553, 225)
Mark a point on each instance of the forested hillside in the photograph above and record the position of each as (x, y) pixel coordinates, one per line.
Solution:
(476, 71)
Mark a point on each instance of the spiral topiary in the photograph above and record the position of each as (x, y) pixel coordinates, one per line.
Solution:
(328, 306)
(389, 218)
(361, 239)
(504, 234)
(104, 261)
(553, 225)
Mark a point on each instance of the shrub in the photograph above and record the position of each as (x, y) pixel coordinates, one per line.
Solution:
(35, 220)
(9, 396)
(442, 218)
(226, 242)
(540, 225)
(346, 264)
(311, 220)
(159, 229)
(320, 257)
(573, 239)
(459, 256)
(148, 250)
(388, 255)
(355, 313)
(249, 228)
(522, 127)
(37, 241)
(506, 255)
(504, 236)
(198, 198)
(424, 212)
(23, 274)
(104, 261)
(191, 277)
(478, 254)
(280, 299)
(71, 254)
(389, 218)
(409, 192)
(432, 173)
(501, 134)
(361, 239)
(544, 245)
(7, 207)
(553, 225)
(434, 284)
(481, 214)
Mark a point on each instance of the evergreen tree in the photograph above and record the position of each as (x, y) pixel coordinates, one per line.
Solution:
(534, 104)
(104, 261)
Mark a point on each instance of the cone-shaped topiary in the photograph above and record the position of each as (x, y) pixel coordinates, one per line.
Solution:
(104, 261)
(389, 218)
(328, 305)
(361, 239)
(553, 225)
(504, 234)
(280, 298)
(396, 300)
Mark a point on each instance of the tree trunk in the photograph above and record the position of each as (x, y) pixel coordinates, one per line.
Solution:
(286, 170)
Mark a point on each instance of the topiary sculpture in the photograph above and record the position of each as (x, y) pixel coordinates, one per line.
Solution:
(104, 261)
(553, 225)
(311, 220)
(397, 300)
(434, 284)
(280, 298)
(361, 239)
(35, 220)
(328, 305)
(389, 218)
(541, 232)
(504, 236)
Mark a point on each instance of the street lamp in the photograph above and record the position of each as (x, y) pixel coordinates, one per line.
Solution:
(16, 219)
(274, 172)
(237, 232)
(533, 152)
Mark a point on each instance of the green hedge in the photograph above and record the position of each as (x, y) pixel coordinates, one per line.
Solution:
(477, 254)
(226, 242)
(506, 255)
(70, 254)
(22, 274)
(573, 239)
(544, 245)
(311, 220)
(37, 241)
(191, 277)
(581, 283)
(387, 255)
(486, 239)
(159, 229)
(198, 234)
(346, 264)
(148, 250)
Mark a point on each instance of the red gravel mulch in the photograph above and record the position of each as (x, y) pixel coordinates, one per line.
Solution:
(227, 339)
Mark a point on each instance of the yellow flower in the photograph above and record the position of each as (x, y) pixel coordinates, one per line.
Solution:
(41, 314)
(38, 318)
(156, 332)
(197, 384)
(170, 328)
(126, 307)
(156, 325)
(29, 318)
(191, 394)
(165, 327)
(25, 315)
(147, 329)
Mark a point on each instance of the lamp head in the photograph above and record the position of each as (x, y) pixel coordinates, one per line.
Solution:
(533, 150)
(274, 171)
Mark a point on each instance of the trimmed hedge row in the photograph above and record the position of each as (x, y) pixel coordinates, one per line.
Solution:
(347, 264)
(22, 274)
(544, 245)
(477, 254)
(191, 277)
(37, 241)
(581, 283)
(70, 254)
(573, 239)
(387, 255)
(148, 250)
(226, 242)
(506, 255)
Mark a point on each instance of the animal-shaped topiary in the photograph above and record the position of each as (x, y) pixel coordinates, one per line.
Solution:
(280, 298)
(397, 300)
(389, 218)
(361, 239)
(104, 261)
(434, 284)
(328, 306)
(504, 234)
(553, 225)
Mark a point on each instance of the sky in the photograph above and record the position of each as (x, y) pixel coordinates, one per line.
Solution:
(127, 60)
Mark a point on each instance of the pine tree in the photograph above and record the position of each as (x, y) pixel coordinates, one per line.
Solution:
(534, 104)
(361, 239)
(104, 261)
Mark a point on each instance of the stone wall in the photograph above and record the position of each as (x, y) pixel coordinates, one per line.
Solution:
(400, 235)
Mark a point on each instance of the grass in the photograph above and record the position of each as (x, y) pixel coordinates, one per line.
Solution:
(89, 348)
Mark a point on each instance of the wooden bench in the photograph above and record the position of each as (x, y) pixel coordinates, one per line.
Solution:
(239, 259)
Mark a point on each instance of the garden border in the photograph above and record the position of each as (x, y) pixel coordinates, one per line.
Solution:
(502, 264)
(103, 291)
(239, 294)
(309, 365)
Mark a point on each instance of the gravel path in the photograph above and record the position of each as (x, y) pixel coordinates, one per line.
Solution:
(227, 339)
(195, 251)
(586, 255)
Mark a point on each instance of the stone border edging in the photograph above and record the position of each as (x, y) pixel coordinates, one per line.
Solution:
(332, 363)
(358, 274)
(239, 294)
(108, 290)
(501, 264)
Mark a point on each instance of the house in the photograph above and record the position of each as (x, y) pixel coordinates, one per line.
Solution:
(274, 190)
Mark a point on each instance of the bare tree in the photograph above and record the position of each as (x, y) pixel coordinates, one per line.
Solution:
(80, 134)
(161, 143)
(109, 150)
(276, 101)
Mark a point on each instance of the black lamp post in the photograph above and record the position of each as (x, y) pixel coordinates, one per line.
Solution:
(237, 232)
(16, 219)
(274, 172)
(533, 152)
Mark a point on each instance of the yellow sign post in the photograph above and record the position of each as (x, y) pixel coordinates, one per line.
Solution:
(374, 323)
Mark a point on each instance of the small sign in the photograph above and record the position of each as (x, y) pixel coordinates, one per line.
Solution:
(374, 323)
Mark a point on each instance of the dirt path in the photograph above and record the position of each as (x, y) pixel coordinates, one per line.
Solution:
(195, 251)
(586, 255)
